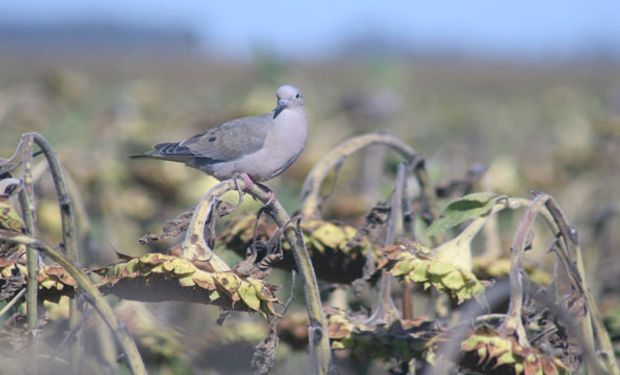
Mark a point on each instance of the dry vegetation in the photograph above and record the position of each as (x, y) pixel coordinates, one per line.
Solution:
(434, 251)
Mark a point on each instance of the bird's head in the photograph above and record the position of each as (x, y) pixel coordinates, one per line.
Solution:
(288, 97)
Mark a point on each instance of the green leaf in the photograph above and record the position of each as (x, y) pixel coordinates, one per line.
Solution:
(419, 273)
(454, 280)
(214, 295)
(507, 358)
(439, 268)
(183, 267)
(228, 281)
(403, 267)
(187, 281)
(330, 235)
(468, 207)
(248, 295)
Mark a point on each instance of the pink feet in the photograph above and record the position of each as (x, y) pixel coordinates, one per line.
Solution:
(249, 184)
(272, 197)
(247, 180)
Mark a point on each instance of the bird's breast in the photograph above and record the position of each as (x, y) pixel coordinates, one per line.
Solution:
(284, 143)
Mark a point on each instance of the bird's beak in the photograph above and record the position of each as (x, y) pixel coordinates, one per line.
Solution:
(282, 104)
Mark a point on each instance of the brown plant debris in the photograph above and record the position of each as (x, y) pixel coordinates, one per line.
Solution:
(54, 281)
(180, 223)
(403, 339)
(336, 256)
(488, 351)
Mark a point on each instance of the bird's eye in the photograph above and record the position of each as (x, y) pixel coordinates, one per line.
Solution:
(297, 96)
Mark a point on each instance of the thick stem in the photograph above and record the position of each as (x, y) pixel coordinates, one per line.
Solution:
(310, 195)
(428, 194)
(27, 203)
(386, 312)
(92, 296)
(67, 216)
(194, 245)
(319, 347)
(12, 302)
(593, 330)
(32, 265)
(409, 232)
(523, 235)
(109, 352)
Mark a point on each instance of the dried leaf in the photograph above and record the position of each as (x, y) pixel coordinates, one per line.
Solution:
(10, 219)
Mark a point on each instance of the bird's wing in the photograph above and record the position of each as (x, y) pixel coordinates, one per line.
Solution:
(231, 140)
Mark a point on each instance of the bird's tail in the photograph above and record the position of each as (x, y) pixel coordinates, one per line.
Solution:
(142, 156)
(166, 151)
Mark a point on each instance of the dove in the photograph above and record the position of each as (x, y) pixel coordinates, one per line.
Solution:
(255, 148)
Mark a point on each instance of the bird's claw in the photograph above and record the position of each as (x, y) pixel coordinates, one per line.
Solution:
(272, 198)
(248, 185)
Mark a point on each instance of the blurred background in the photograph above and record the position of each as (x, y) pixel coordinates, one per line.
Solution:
(529, 89)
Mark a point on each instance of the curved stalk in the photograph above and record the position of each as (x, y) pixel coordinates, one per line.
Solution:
(310, 194)
(593, 330)
(27, 203)
(195, 247)
(386, 312)
(67, 216)
(521, 240)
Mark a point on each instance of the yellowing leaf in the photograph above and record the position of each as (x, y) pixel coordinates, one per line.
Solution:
(214, 295)
(330, 235)
(439, 268)
(168, 265)
(248, 295)
(453, 280)
(338, 345)
(9, 218)
(153, 258)
(48, 284)
(204, 280)
(228, 281)
(419, 273)
(158, 269)
(445, 277)
(402, 267)
(506, 359)
(183, 267)
(187, 281)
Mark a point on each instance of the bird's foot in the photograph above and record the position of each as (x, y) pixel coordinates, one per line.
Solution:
(247, 185)
(270, 194)
(247, 181)
(272, 198)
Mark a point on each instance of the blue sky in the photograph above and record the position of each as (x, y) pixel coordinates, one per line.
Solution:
(310, 28)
